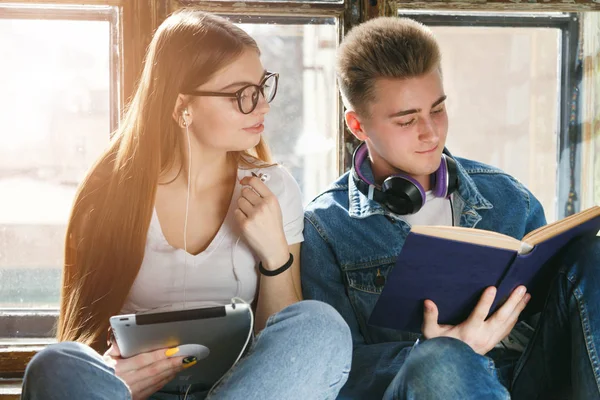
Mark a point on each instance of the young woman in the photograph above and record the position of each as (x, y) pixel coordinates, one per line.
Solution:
(174, 214)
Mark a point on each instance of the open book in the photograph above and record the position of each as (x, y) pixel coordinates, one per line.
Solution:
(453, 265)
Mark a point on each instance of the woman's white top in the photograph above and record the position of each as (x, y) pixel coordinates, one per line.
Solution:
(226, 269)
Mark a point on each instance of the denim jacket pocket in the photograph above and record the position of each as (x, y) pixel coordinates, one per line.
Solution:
(369, 279)
(364, 287)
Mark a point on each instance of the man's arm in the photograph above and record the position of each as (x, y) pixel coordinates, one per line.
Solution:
(536, 217)
(478, 331)
(373, 365)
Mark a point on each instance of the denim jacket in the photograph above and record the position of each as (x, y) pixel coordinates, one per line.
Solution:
(350, 240)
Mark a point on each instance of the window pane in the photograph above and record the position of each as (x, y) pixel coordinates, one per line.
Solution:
(54, 122)
(503, 101)
(302, 126)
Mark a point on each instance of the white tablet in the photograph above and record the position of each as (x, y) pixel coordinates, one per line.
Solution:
(221, 333)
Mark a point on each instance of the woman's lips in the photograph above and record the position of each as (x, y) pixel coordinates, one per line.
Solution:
(258, 128)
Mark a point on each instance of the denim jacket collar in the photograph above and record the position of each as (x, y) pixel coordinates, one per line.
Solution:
(468, 195)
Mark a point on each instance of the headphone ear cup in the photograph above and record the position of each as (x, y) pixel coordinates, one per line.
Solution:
(441, 180)
(453, 179)
(446, 177)
(403, 195)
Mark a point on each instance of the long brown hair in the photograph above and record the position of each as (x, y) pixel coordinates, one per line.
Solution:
(106, 234)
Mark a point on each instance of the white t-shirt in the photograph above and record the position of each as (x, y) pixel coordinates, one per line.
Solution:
(435, 211)
(227, 268)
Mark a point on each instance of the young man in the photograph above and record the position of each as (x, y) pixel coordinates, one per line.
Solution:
(390, 76)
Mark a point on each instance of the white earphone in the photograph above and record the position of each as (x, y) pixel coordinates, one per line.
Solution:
(183, 117)
(187, 203)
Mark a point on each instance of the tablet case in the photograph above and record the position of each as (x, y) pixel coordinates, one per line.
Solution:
(223, 330)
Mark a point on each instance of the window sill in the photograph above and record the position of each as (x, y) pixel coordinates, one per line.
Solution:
(10, 389)
(15, 354)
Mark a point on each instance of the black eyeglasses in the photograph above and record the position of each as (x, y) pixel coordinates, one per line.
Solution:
(247, 97)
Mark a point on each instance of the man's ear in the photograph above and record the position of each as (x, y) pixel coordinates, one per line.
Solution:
(355, 125)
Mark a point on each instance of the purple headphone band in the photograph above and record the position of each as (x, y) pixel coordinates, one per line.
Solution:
(440, 178)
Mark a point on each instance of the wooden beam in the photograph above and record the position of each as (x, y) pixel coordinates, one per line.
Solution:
(590, 115)
(10, 389)
(15, 359)
(140, 18)
(274, 8)
(67, 2)
(52, 12)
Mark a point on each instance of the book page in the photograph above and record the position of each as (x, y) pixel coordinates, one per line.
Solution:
(525, 248)
(549, 231)
(469, 235)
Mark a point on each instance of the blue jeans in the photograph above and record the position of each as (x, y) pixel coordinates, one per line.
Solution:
(561, 360)
(304, 352)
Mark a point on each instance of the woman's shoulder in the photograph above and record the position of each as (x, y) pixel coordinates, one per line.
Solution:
(277, 178)
(277, 173)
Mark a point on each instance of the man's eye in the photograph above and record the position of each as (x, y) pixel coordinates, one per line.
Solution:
(404, 124)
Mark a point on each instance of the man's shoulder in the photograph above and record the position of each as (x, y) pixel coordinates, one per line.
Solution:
(485, 175)
(331, 203)
(336, 193)
(473, 167)
(501, 189)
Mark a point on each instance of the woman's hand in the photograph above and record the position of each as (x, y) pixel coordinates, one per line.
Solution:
(259, 218)
(478, 332)
(146, 373)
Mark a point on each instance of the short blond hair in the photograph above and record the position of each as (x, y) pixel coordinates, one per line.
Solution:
(385, 47)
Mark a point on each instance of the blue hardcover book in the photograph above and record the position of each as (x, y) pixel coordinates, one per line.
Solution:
(453, 265)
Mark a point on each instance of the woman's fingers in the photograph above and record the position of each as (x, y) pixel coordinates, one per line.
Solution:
(140, 361)
(152, 375)
(259, 186)
(251, 196)
(151, 378)
(245, 206)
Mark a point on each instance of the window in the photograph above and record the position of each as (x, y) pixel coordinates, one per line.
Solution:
(508, 77)
(62, 110)
(59, 107)
(302, 126)
(61, 120)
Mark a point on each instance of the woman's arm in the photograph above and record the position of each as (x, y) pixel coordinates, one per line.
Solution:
(277, 292)
(259, 216)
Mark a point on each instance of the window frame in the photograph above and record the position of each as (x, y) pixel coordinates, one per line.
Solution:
(15, 352)
(346, 13)
(133, 25)
(139, 18)
(110, 14)
(568, 24)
